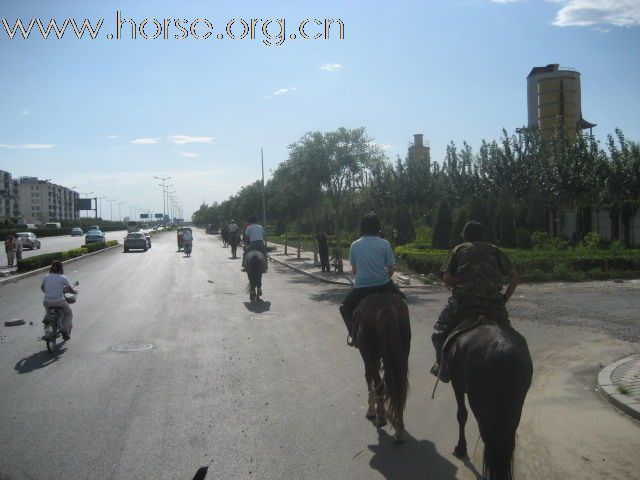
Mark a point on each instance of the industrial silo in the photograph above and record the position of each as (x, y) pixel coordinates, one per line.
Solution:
(554, 100)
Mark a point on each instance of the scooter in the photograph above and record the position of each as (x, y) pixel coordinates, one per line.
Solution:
(52, 321)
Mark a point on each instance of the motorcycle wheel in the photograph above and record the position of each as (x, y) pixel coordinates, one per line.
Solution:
(51, 338)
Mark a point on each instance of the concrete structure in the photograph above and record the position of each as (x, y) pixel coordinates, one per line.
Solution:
(40, 201)
(419, 151)
(601, 223)
(7, 197)
(554, 100)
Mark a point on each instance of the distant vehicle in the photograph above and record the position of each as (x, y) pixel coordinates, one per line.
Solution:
(135, 241)
(27, 226)
(77, 232)
(94, 236)
(94, 227)
(55, 225)
(132, 226)
(147, 235)
(29, 240)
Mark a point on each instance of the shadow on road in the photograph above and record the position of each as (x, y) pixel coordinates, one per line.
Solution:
(411, 460)
(258, 307)
(39, 360)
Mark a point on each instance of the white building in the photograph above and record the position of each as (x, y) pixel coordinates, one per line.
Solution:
(40, 201)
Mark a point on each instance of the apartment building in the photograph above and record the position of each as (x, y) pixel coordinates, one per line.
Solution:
(40, 201)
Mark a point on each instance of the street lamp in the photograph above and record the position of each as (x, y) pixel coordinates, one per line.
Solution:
(120, 211)
(164, 212)
(111, 208)
(100, 206)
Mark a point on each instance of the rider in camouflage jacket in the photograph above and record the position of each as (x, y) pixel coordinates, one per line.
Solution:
(475, 271)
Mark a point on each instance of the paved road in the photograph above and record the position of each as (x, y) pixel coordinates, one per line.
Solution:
(65, 242)
(272, 392)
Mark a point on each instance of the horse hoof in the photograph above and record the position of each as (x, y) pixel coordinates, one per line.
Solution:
(382, 423)
(460, 452)
(371, 414)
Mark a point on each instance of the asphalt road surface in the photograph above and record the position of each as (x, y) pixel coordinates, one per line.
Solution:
(272, 391)
(65, 242)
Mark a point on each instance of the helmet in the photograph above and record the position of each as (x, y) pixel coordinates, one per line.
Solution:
(232, 221)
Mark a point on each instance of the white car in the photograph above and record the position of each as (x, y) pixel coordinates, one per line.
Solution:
(29, 240)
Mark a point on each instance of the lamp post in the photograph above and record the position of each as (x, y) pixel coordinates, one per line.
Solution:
(164, 179)
(99, 199)
(120, 219)
(110, 208)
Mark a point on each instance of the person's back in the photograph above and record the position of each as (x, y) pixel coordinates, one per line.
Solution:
(55, 285)
(371, 255)
(187, 236)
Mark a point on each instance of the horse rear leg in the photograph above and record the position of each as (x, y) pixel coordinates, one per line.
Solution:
(460, 450)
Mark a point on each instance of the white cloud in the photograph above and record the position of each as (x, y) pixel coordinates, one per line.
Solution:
(144, 141)
(183, 139)
(189, 155)
(29, 146)
(587, 13)
(330, 67)
(112, 136)
(281, 91)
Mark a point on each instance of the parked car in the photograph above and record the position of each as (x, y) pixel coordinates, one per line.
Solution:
(135, 241)
(53, 225)
(77, 232)
(147, 235)
(95, 227)
(29, 240)
(94, 236)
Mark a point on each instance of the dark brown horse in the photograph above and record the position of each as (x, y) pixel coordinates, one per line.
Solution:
(491, 364)
(384, 340)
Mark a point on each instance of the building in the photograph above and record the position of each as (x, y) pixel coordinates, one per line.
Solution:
(40, 201)
(419, 151)
(554, 101)
(7, 197)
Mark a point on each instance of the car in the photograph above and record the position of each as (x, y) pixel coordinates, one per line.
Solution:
(135, 241)
(95, 227)
(147, 235)
(94, 236)
(29, 240)
(77, 232)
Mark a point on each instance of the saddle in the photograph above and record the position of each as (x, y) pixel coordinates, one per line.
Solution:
(470, 320)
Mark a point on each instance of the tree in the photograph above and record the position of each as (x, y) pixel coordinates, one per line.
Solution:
(442, 227)
(506, 220)
(403, 225)
(461, 217)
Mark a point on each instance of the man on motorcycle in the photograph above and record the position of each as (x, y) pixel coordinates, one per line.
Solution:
(254, 236)
(475, 271)
(187, 238)
(55, 285)
(372, 262)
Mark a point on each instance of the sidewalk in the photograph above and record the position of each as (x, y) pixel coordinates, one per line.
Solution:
(306, 266)
(619, 383)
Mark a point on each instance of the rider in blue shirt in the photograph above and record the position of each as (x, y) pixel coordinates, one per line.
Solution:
(372, 262)
(254, 234)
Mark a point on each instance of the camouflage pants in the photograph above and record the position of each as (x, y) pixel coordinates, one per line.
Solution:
(450, 317)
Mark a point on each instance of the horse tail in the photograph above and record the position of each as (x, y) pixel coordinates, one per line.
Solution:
(395, 360)
(500, 415)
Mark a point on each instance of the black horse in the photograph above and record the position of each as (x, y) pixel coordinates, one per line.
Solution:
(491, 363)
(384, 341)
(255, 263)
(234, 241)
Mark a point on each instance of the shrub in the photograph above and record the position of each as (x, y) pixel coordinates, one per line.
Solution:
(591, 241)
(442, 228)
(543, 241)
(39, 261)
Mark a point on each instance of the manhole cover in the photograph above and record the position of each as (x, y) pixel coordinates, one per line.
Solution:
(132, 347)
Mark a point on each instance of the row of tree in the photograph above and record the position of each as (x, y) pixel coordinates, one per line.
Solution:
(515, 185)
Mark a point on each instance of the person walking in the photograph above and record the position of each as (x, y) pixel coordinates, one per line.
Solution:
(18, 242)
(10, 250)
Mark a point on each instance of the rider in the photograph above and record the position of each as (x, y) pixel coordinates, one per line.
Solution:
(55, 285)
(233, 228)
(254, 238)
(475, 271)
(372, 263)
(187, 238)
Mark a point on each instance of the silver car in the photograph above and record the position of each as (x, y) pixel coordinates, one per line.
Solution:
(29, 240)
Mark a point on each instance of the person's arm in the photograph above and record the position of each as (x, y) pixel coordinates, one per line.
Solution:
(42, 286)
(390, 270)
(514, 279)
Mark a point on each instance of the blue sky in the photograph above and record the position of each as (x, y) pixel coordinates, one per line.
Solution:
(107, 115)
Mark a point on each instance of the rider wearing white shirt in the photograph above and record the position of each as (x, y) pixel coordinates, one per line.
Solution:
(255, 233)
(55, 285)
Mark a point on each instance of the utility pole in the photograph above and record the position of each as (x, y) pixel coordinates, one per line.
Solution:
(164, 202)
(264, 204)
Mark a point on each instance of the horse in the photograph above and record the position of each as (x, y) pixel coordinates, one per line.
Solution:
(234, 241)
(384, 340)
(491, 364)
(255, 262)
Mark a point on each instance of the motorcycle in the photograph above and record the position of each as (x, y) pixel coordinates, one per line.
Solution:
(188, 245)
(52, 321)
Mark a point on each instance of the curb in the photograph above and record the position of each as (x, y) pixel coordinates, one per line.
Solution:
(610, 392)
(17, 278)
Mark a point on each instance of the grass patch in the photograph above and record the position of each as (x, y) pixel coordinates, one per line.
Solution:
(624, 390)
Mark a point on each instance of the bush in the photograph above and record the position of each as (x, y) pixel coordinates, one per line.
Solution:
(591, 241)
(543, 241)
(39, 261)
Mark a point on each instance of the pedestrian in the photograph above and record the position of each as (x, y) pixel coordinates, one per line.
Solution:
(10, 250)
(323, 250)
(18, 242)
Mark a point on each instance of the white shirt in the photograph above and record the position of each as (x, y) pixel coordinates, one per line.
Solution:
(233, 228)
(254, 232)
(54, 287)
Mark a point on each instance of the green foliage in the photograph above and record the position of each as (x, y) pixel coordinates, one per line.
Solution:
(443, 225)
(544, 241)
(591, 241)
(523, 238)
(405, 231)
(506, 222)
(461, 218)
(424, 235)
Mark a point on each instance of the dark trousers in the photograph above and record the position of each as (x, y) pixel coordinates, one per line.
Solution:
(355, 296)
(451, 317)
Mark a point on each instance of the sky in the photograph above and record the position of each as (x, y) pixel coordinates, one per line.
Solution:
(107, 115)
